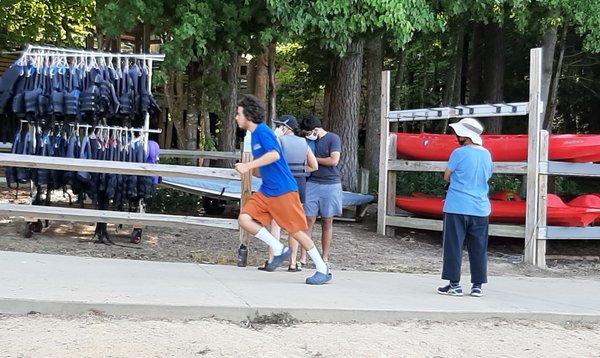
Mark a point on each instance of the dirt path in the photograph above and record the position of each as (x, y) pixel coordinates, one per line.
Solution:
(100, 336)
(355, 247)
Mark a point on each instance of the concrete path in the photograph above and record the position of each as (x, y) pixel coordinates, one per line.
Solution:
(69, 285)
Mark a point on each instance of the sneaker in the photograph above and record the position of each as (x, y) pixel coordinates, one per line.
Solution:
(279, 260)
(476, 291)
(319, 278)
(450, 290)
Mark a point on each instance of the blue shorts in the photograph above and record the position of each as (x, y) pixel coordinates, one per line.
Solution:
(323, 200)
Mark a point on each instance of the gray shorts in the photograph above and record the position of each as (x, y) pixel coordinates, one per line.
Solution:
(323, 200)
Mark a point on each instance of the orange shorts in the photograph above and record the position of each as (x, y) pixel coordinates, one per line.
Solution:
(285, 209)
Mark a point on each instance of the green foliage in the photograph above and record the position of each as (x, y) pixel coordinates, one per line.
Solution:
(300, 80)
(333, 24)
(57, 22)
(170, 201)
(502, 182)
(413, 182)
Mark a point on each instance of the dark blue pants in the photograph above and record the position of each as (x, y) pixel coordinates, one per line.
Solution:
(472, 231)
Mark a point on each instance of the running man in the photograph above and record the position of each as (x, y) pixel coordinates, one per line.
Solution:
(277, 198)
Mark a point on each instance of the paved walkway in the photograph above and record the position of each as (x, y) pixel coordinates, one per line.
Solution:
(70, 285)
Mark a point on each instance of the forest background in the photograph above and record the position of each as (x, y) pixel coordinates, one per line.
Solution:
(325, 57)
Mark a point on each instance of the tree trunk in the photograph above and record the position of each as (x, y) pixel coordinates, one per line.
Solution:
(374, 66)
(344, 110)
(553, 96)
(327, 97)
(548, 48)
(272, 95)
(396, 90)
(176, 99)
(464, 72)
(169, 133)
(454, 80)
(261, 76)
(493, 84)
(229, 101)
(476, 66)
(191, 123)
(162, 125)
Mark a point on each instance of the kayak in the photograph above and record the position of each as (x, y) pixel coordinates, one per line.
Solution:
(506, 208)
(580, 148)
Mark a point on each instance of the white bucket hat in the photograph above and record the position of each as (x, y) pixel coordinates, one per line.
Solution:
(469, 128)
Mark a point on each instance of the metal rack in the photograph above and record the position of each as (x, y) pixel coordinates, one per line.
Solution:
(86, 215)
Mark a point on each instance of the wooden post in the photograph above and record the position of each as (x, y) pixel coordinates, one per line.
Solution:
(540, 259)
(533, 155)
(391, 185)
(364, 181)
(383, 154)
(246, 183)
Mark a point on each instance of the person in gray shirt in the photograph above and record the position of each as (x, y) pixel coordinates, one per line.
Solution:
(324, 186)
(301, 161)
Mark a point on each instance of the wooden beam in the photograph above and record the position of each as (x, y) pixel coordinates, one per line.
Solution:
(517, 231)
(32, 213)
(391, 185)
(101, 166)
(438, 166)
(540, 257)
(383, 154)
(533, 155)
(577, 233)
(364, 181)
(208, 154)
(570, 169)
(246, 189)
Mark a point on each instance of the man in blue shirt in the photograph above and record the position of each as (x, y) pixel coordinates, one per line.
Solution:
(324, 186)
(466, 208)
(277, 199)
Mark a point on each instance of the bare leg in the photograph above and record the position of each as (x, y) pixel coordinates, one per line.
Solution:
(294, 246)
(247, 223)
(303, 239)
(310, 220)
(276, 232)
(326, 237)
(308, 245)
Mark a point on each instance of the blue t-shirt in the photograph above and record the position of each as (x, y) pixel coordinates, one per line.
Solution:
(277, 179)
(324, 146)
(471, 168)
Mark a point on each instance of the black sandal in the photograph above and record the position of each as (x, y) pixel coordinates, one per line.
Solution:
(264, 267)
(295, 269)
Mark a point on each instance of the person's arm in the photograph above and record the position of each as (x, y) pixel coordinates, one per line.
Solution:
(311, 161)
(331, 161)
(266, 159)
(453, 161)
(447, 174)
(335, 148)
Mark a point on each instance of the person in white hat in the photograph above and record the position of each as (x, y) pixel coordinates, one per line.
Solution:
(466, 209)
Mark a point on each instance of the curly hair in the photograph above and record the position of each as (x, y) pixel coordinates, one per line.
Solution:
(253, 108)
(311, 122)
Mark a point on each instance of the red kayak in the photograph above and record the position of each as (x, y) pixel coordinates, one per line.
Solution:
(506, 208)
(581, 148)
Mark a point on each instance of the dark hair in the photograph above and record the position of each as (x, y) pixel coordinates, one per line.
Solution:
(311, 122)
(253, 108)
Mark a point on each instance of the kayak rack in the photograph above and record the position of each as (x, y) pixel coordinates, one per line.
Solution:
(537, 168)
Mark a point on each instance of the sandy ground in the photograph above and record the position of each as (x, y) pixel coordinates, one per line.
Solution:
(356, 246)
(100, 336)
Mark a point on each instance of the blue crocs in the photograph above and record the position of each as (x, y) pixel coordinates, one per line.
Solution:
(278, 260)
(319, 278)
